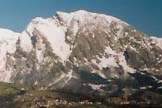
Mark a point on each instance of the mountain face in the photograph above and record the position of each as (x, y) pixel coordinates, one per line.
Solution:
(82, 52)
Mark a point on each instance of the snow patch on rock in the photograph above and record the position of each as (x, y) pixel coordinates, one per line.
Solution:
(8, 41)
(25, 42)
(158, 41)
(54, 34)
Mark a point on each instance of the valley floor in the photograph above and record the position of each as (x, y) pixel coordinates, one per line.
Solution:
(19, 96)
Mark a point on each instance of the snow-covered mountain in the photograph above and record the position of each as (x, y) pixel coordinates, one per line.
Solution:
(81, 52)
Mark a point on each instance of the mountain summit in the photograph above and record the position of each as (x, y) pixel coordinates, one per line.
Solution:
(82, 52)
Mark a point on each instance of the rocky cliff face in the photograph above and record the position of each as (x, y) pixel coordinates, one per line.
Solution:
(82, 52)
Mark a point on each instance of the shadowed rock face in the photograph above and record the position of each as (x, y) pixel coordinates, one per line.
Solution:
(84, 53)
